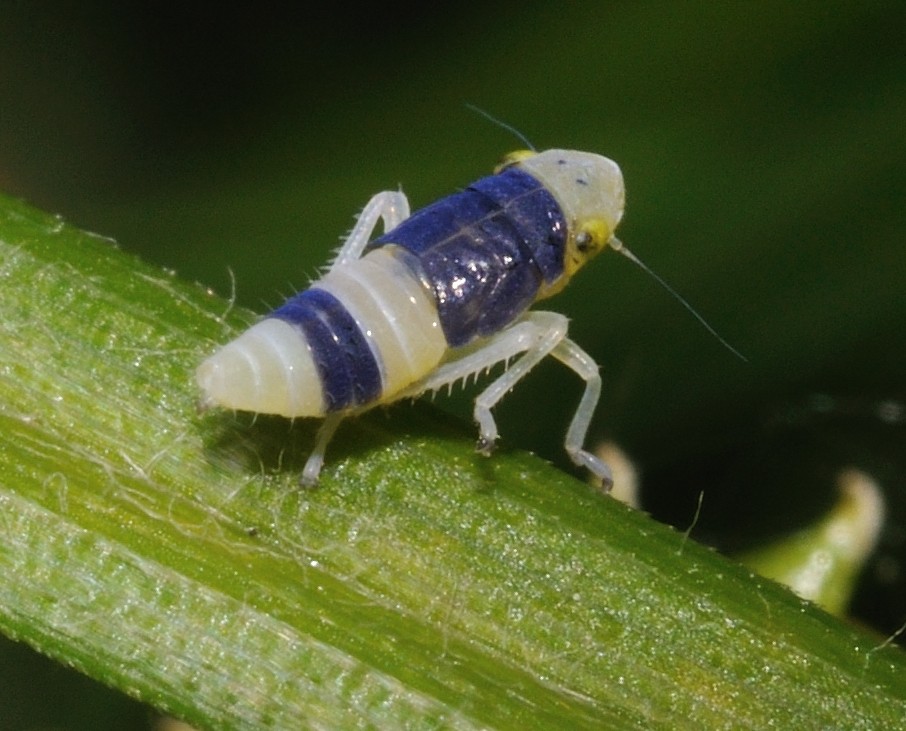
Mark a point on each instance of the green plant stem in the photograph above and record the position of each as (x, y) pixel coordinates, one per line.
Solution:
(172, 555)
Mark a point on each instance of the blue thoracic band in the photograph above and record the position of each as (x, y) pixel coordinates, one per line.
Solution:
(485, 251)
(350, 375)
(534, 212)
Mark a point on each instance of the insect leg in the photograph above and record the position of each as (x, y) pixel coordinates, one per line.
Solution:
(391, 206)
(546, 330)
(577, 360)
(537, 335)
(316, 458)
(472, 359)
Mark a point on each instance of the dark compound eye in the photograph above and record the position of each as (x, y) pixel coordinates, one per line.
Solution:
(584, 241)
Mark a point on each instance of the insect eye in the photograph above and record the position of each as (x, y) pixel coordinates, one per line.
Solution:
(584, 241)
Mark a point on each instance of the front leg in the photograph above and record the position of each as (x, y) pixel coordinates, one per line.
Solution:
(577, 360)
(391, 206)
(550, 339)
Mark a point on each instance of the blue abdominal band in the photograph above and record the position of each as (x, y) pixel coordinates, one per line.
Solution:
(350, 375)
(484, 252)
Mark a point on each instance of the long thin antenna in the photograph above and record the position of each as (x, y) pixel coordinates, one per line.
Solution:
(500, 123)
(617, 245)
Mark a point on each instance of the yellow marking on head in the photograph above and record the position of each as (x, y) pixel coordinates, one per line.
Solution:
(586, 240)
(513, 158)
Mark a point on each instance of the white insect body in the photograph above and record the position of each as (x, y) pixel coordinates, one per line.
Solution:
(441, 295)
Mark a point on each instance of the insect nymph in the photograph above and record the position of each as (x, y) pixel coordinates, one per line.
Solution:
(441, 295)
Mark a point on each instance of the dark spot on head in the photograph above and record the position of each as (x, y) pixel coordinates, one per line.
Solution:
(580, 181)
(561, 161)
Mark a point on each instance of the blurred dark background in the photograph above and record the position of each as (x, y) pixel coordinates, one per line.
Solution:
(764, 147)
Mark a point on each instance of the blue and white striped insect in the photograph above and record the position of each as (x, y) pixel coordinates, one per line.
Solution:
(441, 295)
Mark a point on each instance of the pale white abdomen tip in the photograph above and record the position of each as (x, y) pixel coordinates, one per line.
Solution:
(268, 369)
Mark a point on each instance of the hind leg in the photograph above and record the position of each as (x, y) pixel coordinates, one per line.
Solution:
(391, 206)
(315, 460)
